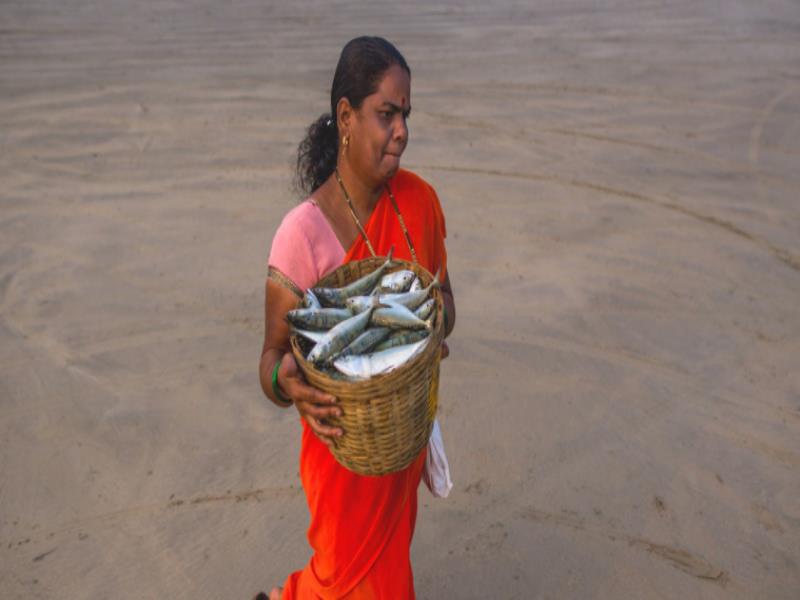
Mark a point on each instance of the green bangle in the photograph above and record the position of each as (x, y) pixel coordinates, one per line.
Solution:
(276, 389)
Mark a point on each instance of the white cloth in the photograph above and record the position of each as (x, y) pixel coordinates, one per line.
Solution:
(437, 472)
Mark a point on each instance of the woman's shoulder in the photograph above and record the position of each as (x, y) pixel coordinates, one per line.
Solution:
(405, 180)
(414, 193)
(301, 218)
(422, 213)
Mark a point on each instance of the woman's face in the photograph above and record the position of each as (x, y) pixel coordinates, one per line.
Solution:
(378, 132)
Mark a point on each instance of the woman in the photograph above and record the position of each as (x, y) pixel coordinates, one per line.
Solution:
(361, 204)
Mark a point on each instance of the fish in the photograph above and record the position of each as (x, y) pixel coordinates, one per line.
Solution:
(412, 299)
(317, 318)
(366, 341)
(357, 304)
(416, 285)
(397, 316)
(314, 336)
(395, 283)
(310, 300)
(425, 309)
(401, 337)
(364, 366)
(361, 287)
(340, 336)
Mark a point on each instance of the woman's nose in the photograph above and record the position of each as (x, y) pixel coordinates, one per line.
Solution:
(401, 129)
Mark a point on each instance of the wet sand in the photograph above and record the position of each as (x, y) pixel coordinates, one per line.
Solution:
(622, 404)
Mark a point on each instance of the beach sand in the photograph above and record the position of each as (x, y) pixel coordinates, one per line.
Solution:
(621, 407)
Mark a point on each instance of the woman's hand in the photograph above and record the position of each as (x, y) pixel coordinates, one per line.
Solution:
(313, 405)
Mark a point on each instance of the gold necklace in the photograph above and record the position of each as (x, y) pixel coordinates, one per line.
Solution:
(361, 227)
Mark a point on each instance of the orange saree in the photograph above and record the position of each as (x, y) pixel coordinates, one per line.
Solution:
(361, 527)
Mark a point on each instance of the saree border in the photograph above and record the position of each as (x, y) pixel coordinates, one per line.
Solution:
(281, 279)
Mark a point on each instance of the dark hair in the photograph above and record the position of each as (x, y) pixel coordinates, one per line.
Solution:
(361, 66)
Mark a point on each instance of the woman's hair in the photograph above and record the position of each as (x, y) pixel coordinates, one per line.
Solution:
(362, 64)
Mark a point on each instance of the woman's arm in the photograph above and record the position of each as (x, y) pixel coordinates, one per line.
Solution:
(450, 313)
(312, 404)
(449, 306)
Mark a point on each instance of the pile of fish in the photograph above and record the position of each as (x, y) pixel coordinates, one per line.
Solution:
(368, 327)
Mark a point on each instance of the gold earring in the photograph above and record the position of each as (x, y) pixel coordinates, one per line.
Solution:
(345, 140)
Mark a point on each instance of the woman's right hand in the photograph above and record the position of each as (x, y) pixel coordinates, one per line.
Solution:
(313, 405)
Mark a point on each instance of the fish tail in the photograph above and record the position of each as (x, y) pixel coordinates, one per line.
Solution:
(436, 282)
(390, 262)
(376, 303)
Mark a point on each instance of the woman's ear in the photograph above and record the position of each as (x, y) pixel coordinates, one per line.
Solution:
(344, 114)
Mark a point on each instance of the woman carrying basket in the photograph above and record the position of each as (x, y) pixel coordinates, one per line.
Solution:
(360, 204)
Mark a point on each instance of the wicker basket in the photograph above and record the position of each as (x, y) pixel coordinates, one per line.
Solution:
(386, 419)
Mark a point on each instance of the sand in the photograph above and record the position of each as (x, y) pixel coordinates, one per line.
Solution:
(622, 404)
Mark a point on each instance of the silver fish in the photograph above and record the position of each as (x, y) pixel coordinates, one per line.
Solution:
(397, 282)
(317, 318)
(341, 335)
(364, 366)
(366, 341)
(416, 285)
(412, 299)
(310, 300)
(401, 338)
(357, 304)
(425, 309)
(397, 316)
(360, 287)
(314, 336)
